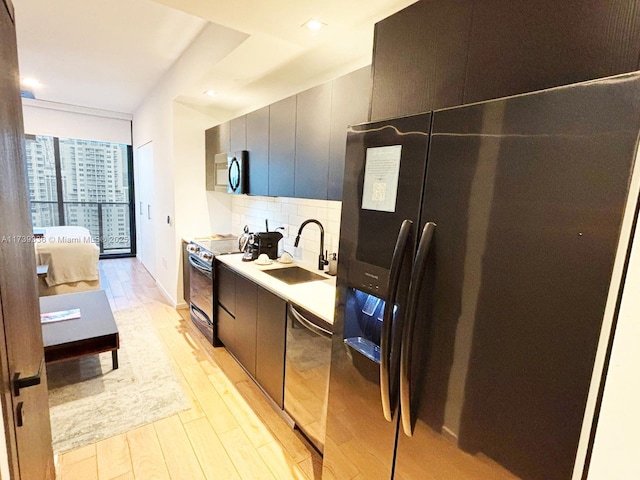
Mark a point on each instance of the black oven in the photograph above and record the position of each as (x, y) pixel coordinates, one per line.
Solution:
(201, 278)
(201, 293)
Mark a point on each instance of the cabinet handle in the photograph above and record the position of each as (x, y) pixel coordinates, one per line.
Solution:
(309, 325)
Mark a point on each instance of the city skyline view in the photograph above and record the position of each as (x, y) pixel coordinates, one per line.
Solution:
(94, 179)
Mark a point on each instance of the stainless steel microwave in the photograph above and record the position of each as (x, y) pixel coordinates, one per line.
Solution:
(231, 172)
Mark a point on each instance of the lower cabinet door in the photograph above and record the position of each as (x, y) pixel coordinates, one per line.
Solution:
(245, 326)
(226, 328)
(271, 334)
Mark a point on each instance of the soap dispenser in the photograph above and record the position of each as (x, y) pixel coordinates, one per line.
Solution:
(333, 264)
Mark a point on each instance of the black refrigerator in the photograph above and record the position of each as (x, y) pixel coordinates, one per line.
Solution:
(482, 254)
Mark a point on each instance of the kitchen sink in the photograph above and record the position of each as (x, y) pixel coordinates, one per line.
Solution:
(294, 275)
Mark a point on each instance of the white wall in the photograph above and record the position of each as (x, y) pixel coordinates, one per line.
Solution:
(290, 213)
(177, 133)
(616, 449)
(68, 121)
(198, 213)
(154, 123)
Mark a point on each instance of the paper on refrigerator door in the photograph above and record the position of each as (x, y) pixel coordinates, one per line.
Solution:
(381, 173)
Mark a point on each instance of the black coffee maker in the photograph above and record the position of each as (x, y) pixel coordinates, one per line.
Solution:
(262, 242)
(267, 242)
(259, 243)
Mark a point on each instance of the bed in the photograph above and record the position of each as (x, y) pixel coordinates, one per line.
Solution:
(71, 258)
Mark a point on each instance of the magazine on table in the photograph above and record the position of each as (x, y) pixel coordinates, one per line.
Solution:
(69, 314)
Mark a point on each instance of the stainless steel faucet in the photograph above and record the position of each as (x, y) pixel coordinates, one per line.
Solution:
(322, 261)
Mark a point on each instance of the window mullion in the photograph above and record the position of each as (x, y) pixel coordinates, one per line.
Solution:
(58, 164)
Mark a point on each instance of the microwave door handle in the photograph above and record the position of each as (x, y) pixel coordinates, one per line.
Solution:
(386, 395)
(417, 276)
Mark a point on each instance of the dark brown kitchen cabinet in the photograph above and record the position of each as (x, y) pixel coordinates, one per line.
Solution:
(225, 285)
(251, 323)
(238, 134)
(282, 147)
(522, 46)
(226, 328)
(297, 145)
(313, 122)
(419, 58)
(349, 105)
(271, 334)
(436, 54)
(216, 140)
(245, 327)
(258, 147)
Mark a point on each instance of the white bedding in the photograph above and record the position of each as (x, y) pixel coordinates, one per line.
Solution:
(70, 255)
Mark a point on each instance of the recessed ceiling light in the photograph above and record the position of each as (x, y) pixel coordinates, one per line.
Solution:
(30, 82)
(211, 93)
(314, 25)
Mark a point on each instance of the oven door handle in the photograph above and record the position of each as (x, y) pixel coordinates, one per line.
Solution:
(200, 314)
(317, 329)
(200, 267)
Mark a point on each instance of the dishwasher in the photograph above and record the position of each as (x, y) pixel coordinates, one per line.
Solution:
(306, 380)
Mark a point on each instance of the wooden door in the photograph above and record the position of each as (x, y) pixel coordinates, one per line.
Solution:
(145, 207)
(26, 414)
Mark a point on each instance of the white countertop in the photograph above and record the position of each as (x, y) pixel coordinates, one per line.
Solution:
(318, 297)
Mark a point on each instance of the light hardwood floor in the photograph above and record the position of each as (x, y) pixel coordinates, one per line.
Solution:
(230, 432)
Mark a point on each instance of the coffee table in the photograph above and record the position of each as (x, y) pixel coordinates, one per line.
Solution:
(94, 332)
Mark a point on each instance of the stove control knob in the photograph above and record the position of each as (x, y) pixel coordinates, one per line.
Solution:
(191, 248)
(206, 256)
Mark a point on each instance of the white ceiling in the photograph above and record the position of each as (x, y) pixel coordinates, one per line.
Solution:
(109, 54)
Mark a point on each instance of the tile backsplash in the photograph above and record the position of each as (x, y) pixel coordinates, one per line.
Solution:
(290, 213)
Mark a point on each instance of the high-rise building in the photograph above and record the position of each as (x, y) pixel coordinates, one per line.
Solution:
(95, 187)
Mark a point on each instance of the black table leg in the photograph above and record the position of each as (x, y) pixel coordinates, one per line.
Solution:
(114, 359)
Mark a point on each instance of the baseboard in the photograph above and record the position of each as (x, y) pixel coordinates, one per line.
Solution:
(166, 294)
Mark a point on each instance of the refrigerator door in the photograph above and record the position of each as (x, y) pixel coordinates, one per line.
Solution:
(384, 176)
(528, 194)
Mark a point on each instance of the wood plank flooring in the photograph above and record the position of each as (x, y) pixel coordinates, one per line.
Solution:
(230, 432)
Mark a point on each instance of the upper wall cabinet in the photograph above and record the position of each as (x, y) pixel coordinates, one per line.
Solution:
(523, 46)
(312, 142)
(349, 106)
(216, 140)
(297, 145)
(238, 134)
(436, 53)
(258, 147)
(420, 57)
(282, 147)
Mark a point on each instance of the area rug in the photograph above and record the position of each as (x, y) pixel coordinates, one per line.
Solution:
(89, 401)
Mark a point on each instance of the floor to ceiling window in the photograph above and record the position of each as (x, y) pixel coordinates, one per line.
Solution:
(84, 183)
